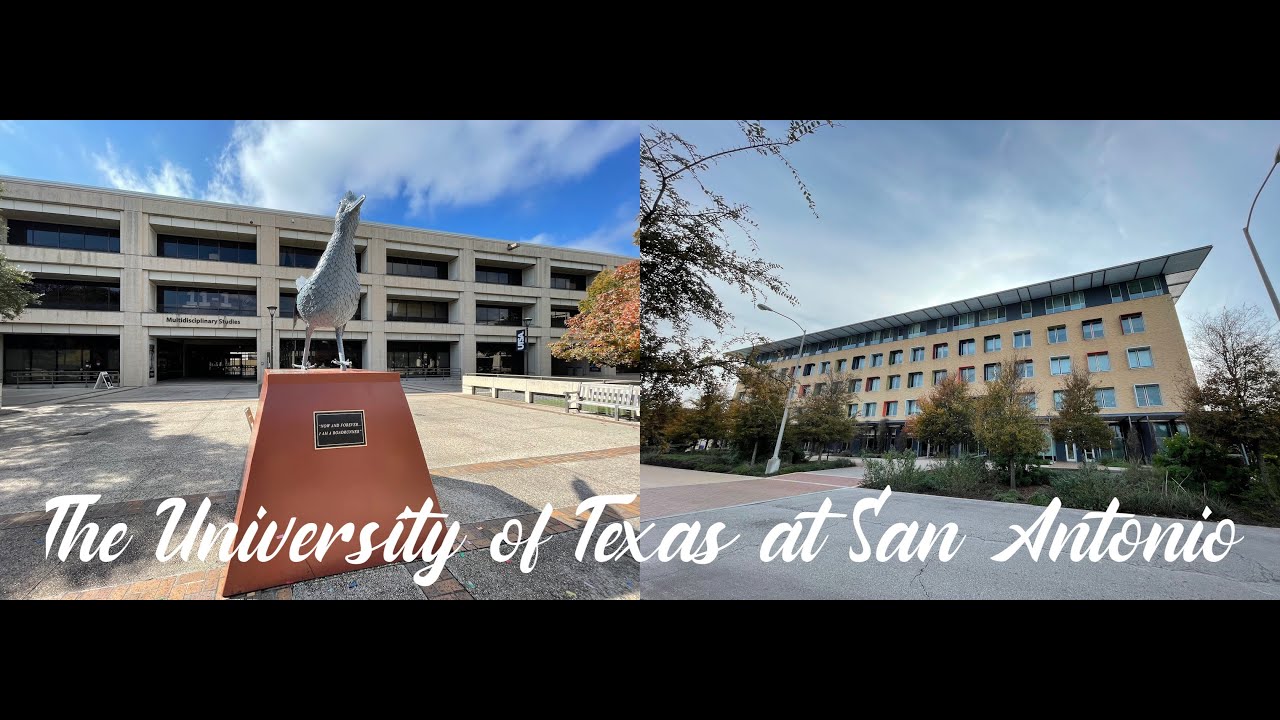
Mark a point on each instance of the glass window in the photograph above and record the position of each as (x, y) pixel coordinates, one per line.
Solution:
(1057, 399)
(66, 294)
(306, 257)
(89, 353)
(1091, 329)
(817, 389)
(1027, 368)
(895, 357)
(966, 320)
(1147, 395)
(1099, 362)
(1060, 365)
(565, 281)
(1064, 302)
(916, 330)
(968, 347)
(859, 362)
(1144, 287)
(69, 237)
(869, 409)
(939, 376)
(968, 374)
(990, 371)
(855, 386)
(560, 316)
(917, 354)
(825, 367)
(1022, 339)
(895, 382)
(913, 407)
(840, 365)
(1117, 295)
(991, 343)
(1140, 357)
(940, 351)
(1105, 397)
(991, 316)
(1131, 324)
(1057, 334)
(513, 316)
(417, 267)
(1026, 309)
(1029, 399)
(873, 384)
(498, 275)
(891, 408)
(417, 310)
(206, 301)
(915, 380)
(217, 250)
(942, 325)
(877, 360)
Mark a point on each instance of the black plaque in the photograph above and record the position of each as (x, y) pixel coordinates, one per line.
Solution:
(339, 428)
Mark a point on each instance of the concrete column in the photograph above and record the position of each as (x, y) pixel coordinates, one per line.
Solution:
(269, 246)
(375, 257)
(134, 360)
(465, 266)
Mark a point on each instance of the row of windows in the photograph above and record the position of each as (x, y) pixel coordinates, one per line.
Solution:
(1132, 290)
(59, 294)
(1144, 396)
(76, 237)
(1091, 330)
(1139, 357)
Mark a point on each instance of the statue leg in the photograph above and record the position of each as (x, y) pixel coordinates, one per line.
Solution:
(342, 361)
(306, 350)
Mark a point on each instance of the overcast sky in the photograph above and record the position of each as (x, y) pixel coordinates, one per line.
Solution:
(913, 214)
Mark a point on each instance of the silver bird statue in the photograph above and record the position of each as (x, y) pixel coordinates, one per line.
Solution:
(329, 298)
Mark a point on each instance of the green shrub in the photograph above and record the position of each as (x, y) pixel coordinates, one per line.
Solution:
(1040, 498)
(1008, 496)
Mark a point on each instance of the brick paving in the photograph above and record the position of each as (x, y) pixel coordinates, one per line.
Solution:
(207, 585)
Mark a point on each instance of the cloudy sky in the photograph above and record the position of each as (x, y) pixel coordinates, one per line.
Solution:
(917, 213)
(570, 183)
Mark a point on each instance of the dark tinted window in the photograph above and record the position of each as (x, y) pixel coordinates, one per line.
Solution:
(498, 315)
(417, 310)
(70, 237)
(498, 275)
(417, 267)
(562, 281)
(59, 294)
(206, 301)
(188, 248)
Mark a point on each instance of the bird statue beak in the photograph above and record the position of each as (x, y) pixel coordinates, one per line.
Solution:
(358, 203)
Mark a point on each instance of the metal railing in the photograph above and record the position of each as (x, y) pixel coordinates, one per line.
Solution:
(429, 372)
(560, 378)
(55, 377)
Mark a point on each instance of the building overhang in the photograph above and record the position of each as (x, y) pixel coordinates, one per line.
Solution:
(1177, 268)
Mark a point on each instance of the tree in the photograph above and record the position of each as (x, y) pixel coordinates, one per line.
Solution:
(659, 411)
(754, 418)
(946, 415)
(1005, 424)
(15, 284)
(1133, 446)
(1077, 420)
(822, 417)
(684, 246)
(606, 330)
(1237, 402)
(706, 420)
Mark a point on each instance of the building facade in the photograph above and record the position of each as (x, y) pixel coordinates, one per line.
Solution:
(1120, 323)
(158, 288)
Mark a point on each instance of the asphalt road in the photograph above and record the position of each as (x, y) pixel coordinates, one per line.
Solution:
(1251, 569)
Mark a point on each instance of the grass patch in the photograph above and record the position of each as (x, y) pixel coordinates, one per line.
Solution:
(732, 463)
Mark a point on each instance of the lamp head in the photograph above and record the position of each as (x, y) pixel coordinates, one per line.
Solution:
(1277, 162)
(271, 309)
(764, 307)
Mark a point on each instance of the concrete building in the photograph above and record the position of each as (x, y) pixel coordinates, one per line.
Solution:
(1119, 322)
(161, 288)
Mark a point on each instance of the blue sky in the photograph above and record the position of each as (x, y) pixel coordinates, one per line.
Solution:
(922, 212)
(567, 183)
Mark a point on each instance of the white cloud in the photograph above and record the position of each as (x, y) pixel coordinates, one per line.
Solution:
(615, 236)
(171, 179)
(300, 164)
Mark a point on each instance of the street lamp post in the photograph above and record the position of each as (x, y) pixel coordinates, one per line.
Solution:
(775, 462)
(526, 323)
(271, 342)
(1275, 304)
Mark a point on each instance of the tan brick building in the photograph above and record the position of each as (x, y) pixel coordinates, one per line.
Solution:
(1118, 322)
(158, 288)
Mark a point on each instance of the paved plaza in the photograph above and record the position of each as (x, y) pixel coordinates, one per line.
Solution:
(490, 460)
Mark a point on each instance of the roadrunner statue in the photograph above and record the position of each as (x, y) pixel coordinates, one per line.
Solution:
(331, 295)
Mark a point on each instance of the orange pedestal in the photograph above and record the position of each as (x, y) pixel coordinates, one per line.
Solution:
(308, 459)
